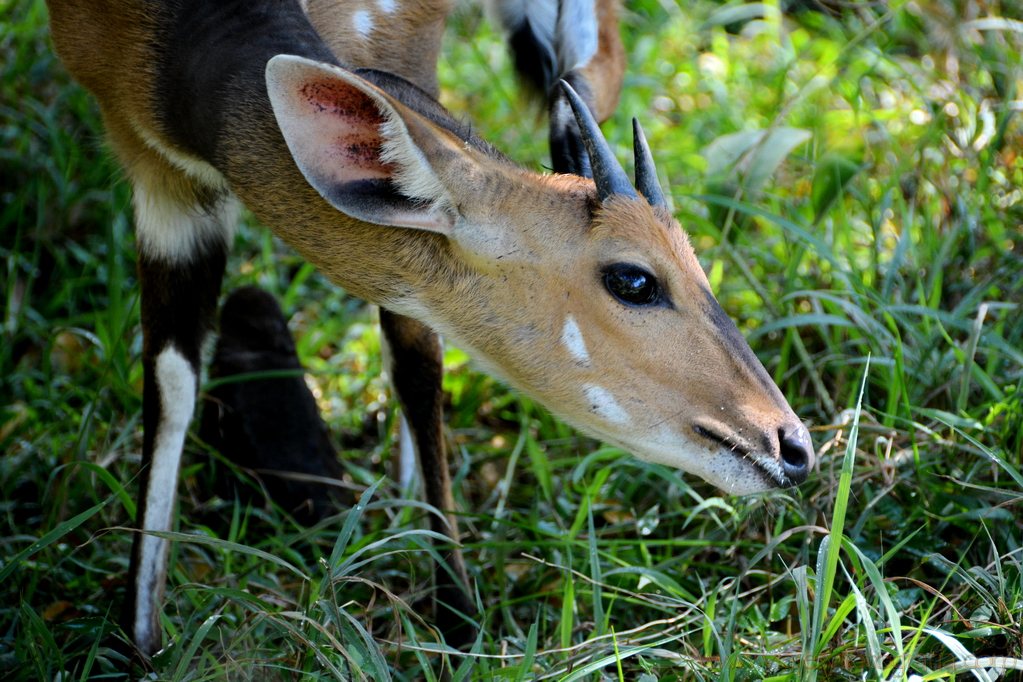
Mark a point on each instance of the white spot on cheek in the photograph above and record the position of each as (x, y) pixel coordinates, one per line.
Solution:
(176, 383)
(573, 340)
(387, 6)
(605, 405)
(362, 20)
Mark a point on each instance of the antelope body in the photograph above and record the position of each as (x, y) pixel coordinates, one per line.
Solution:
(583, 294)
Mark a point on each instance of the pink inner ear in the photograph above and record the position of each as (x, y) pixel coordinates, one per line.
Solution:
(356, 145)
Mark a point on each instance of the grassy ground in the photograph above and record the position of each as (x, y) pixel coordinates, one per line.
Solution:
(868, 241)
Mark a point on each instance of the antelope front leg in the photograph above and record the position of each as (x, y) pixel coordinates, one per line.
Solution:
(416, 372)
(180, 280)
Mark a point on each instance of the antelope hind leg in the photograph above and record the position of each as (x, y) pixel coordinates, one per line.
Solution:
(182, 252)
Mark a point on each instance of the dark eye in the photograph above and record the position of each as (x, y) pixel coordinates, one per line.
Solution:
(632, 285)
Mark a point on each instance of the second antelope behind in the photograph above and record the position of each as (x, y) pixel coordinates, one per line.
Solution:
(584, 294)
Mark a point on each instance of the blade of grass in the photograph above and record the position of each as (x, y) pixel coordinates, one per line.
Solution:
(351, 520)
(832, 544)
(54, 535)
(529, 654)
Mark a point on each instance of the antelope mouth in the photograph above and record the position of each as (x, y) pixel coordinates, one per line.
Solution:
(771, 472)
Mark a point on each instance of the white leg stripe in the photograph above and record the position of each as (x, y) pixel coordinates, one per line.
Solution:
(176, 383)
(408, 456)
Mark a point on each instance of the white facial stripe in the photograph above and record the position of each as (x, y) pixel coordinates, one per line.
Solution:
(362, 20)
(604, 405)
(387, 6)
(572, 338)
(176, 384)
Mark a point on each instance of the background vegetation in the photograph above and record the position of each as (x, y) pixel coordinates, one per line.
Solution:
(852, 177)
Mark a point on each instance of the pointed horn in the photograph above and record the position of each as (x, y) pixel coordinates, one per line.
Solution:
(607, 172)
(646, 173)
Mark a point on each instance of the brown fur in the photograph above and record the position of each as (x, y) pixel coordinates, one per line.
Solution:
(415, 25)
(120, 74)
(508, 262)
(606, 71)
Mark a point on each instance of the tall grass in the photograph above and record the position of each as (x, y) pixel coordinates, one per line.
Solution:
(867, 240)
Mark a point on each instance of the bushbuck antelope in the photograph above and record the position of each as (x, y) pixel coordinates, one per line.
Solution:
(584, 294)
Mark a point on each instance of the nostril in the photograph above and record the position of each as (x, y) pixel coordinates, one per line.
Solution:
(796, 453)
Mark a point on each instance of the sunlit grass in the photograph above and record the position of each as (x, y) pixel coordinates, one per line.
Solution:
(886, 226)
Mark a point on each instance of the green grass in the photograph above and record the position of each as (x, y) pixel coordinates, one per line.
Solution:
(869, 245)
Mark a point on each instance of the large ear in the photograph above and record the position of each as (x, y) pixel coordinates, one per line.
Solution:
(352, 145)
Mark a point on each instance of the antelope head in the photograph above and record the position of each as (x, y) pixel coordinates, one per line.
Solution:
(584, 294)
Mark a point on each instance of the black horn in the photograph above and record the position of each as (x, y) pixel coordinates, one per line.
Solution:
(608, 174)
(646, 173)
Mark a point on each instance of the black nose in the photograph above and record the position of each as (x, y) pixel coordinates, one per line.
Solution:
(796, 452)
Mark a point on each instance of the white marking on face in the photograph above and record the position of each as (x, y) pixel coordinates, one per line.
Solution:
(362, 20)
(176, 386)
(168, 231)
(572, 339)
(387, 6)
(604, 405)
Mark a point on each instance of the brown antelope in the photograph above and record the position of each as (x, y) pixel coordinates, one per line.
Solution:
(584, 294)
